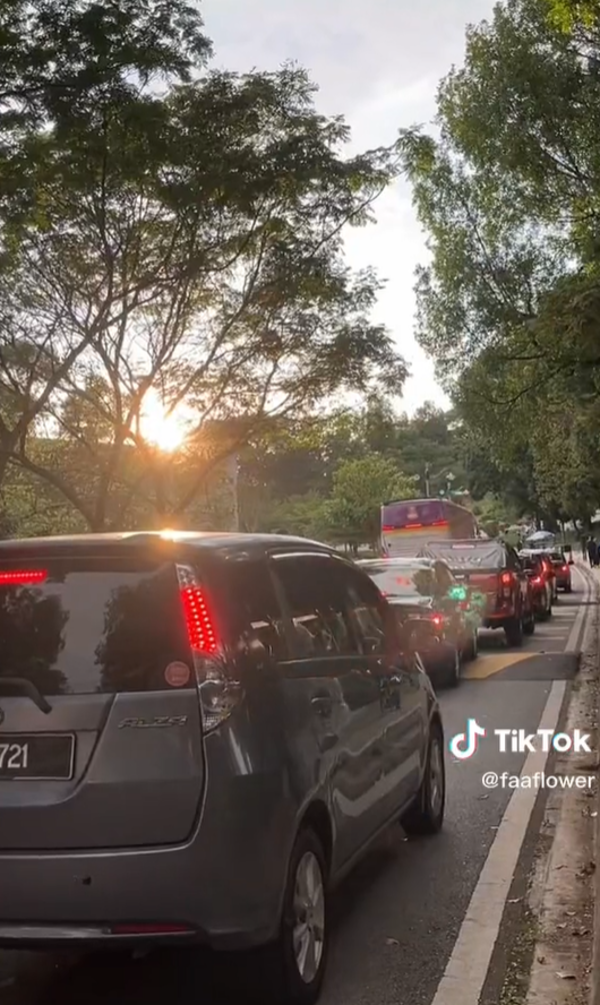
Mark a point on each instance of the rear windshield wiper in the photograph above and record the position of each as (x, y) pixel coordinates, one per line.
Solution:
(20, 685)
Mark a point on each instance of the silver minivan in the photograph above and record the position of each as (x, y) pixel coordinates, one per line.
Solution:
(199, 735)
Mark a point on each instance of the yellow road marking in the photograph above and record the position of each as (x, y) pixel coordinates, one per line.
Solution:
(491, 663)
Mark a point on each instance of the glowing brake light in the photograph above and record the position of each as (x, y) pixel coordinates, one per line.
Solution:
(506, 578)
(219, 692)
(199, 622)
(537, 581)
(22, 577)
(438, 620)
(565, 568)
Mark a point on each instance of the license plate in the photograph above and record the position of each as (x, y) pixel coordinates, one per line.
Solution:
(36, 756)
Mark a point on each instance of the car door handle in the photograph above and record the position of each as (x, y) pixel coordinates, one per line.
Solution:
(322, 704)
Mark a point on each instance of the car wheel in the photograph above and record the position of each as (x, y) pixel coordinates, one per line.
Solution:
(452, 674)
(474, 646)
(426, 815)
(294, 967)
(544, 610)
(568, 589)
(514, 631)
(529, 623)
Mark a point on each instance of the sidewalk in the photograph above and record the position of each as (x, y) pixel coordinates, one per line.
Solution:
(565, 896)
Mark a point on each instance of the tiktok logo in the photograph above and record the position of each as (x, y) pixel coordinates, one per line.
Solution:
(464, 745)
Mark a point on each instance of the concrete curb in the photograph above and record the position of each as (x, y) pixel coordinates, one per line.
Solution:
(593, 578)
(595, 977)
(559, 890)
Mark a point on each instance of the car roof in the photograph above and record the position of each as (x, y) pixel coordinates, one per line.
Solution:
(123, 542)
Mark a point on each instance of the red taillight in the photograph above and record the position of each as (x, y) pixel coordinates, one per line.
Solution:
(200, 625)
(565, 568)
(22, 577)
(537, 581)
(506, 578)
(437, 620)
(165, 929)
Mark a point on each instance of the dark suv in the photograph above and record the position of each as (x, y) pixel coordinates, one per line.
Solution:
(496, 578)
(199, 735)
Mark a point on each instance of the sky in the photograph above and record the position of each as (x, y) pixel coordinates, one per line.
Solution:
(377, 62)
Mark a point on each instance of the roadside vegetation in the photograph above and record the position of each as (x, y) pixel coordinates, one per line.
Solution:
(179, 330)
(508, 191)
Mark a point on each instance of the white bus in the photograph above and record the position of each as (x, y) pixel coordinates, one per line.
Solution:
(407, 525)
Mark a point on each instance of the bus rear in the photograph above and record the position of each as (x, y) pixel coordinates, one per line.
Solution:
(407, 525)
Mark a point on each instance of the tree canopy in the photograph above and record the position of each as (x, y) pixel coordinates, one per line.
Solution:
(508, 192)
(184, 239)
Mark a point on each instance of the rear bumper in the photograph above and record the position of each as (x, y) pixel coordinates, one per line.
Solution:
(75, 900)
(224, 885)
(498, 619)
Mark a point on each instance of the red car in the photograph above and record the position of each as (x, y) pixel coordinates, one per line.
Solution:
(562, 570)
(541, 580)
(497, 582)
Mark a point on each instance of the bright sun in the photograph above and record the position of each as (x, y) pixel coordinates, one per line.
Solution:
(162, 430)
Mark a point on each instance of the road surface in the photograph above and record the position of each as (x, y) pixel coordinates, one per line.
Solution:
(398, 917)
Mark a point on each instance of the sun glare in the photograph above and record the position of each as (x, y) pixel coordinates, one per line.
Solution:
(162, 430)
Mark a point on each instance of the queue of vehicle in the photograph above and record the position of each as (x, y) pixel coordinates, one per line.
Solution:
(201, 734)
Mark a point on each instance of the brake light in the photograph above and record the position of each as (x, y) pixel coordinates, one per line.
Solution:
(507, 578)
(537, 581)
(200, 625)
(565, 568)
(22, 577)
(438, 620)
(218, 692)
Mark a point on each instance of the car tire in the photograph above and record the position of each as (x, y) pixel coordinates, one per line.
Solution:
(474, 645)
(568, 589)
(426, 815)
(304, 923)
(529, 623)
(514, 630)
(545, 610)
(453, 669)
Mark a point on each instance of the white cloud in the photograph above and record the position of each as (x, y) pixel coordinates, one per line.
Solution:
(378, 63)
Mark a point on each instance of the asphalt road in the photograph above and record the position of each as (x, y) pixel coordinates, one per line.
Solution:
(397, 918)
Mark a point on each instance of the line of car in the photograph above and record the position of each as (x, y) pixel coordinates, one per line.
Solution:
(200, 734)
(451, 589)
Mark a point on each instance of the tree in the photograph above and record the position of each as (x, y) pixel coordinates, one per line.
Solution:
(359, 489)
(509, 196)
(65, 68)
(192, 245)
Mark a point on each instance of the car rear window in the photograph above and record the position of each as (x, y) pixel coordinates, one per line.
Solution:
(477, 555)
(402, 581)
(423, 513)
(557, 556)
(83, 627)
